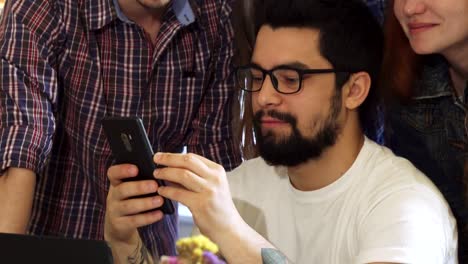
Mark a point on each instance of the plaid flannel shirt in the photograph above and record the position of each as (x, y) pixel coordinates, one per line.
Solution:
(68, 63)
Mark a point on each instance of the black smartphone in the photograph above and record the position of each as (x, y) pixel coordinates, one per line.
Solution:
(130, 144)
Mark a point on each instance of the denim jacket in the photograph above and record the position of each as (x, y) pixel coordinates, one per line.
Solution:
(430, 132)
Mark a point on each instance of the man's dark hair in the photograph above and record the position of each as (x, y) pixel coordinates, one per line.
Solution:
(350, 39)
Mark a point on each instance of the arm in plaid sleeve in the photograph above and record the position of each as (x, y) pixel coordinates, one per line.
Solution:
(27, 93)
(212, 129)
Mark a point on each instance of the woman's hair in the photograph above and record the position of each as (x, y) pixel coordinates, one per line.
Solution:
(401, 66)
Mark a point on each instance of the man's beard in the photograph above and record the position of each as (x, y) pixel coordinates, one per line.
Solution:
(296, 149)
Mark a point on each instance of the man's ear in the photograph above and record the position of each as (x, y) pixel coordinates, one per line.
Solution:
(356, 89)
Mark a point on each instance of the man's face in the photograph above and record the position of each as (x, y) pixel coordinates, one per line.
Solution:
(153, 4)
(294, 128)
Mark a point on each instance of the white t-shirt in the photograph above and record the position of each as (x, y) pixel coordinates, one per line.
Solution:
(381, 210)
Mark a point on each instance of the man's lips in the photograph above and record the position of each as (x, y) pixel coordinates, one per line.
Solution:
(415, 28)
(270, 122)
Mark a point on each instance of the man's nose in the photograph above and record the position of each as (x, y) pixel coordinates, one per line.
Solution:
(268, 95)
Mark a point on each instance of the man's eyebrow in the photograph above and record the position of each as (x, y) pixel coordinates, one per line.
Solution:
(296, 64)
(293, 64)
(255, 64)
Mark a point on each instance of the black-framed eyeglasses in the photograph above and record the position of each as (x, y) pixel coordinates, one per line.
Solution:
(285, 79)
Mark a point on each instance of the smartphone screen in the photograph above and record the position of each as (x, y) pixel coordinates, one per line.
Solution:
(130, 144)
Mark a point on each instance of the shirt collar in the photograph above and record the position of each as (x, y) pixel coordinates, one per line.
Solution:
(99, 13)
(435, 81)
(120, 13)
(182, 9)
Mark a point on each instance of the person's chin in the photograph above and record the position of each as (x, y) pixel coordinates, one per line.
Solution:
(424, 46)
(282, 132)
(273, 138)
(422, 49)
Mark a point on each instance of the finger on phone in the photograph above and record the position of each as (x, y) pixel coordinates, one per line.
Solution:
(183, 177)
(183, 196)
(117, 173)
(139, 220)
(188, 161)
(138, 205)
(128, 190)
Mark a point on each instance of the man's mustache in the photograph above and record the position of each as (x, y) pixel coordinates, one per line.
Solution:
(285, 117)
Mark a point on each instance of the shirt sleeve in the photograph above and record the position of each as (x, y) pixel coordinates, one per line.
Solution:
(410, 226)
(212, 129)
(28, 83)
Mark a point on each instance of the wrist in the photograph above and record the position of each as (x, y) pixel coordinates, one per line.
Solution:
(130, 251)
(120, 241)
(231, 235)
(242, 244)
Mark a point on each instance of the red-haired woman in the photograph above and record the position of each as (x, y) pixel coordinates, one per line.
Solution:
(426, 66)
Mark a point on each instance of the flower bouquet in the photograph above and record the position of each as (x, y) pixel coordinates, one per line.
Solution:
(194, 250)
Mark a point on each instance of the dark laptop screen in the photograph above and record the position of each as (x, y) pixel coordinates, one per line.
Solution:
(33, 249)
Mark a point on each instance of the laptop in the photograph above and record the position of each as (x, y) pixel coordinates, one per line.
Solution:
(21, 249)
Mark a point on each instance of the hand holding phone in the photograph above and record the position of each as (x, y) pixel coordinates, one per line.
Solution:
(130, 144)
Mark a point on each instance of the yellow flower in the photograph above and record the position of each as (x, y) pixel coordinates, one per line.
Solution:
(192, 248)
(198, 252)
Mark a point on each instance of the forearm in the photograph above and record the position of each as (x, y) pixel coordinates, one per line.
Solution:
(16, 199)
(245, 245)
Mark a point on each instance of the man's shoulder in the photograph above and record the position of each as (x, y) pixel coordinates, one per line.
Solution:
(42, 19)
(395, 200)
(388, 187)
(384, 173)
(212, 3)
(383, 165)
(206, 8)
(46, 5)
(26, 8)
(41, 14)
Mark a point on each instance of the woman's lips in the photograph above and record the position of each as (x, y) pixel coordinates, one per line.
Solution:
(416, 28)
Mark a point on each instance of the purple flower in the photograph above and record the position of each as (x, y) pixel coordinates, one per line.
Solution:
(210, 258)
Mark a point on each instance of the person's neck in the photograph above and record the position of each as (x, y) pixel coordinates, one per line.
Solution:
(332, 164)
(458, 60)
(150, 19)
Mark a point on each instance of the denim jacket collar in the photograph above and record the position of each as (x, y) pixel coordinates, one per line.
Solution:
(435, 81)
